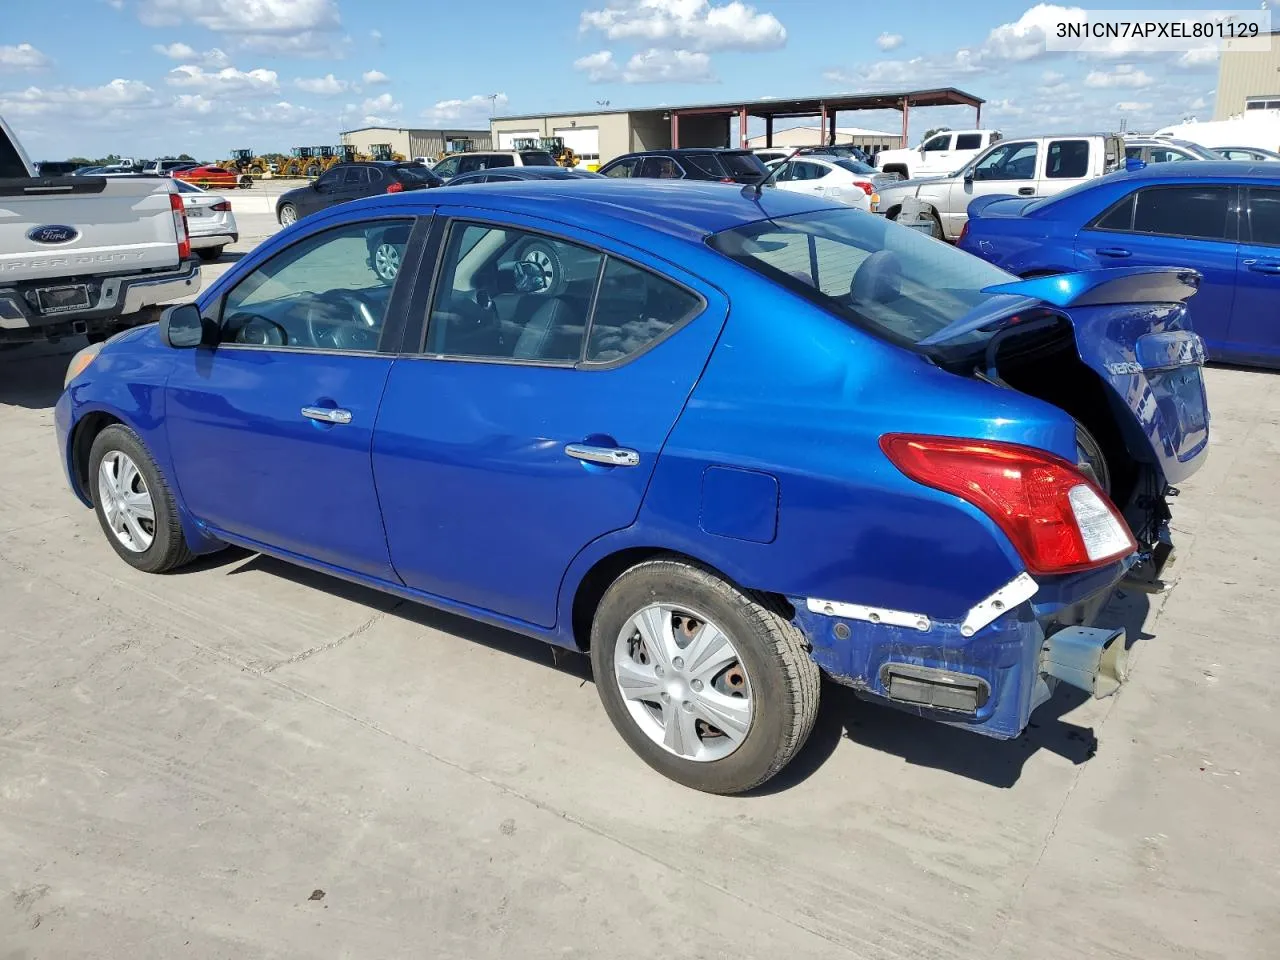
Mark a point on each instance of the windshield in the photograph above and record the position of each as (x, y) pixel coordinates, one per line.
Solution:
(856, 166)
(1196, 150)
(883, 277)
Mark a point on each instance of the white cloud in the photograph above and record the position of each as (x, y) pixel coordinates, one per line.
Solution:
(77, 101)
(382, 104)
(1198, 59)
(1024, 39)
(22, 57)
(374, 77)
(228, 80)
(376, 37)
(194, 103)
(326, 86)
(215, 58)
(649, 66)
(473, 112)
(889, 41)
(1134, 106)
(289, 27)
(1124, 75)
(699, 24)
(243, 16)
(918, 72)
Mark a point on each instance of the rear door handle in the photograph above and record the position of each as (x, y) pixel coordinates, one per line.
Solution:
(327, 414)
(1113, 252)
(1026, 191)
(1263, 266)
(608, 456)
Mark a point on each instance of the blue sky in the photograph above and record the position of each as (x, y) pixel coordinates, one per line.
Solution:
(146, 77)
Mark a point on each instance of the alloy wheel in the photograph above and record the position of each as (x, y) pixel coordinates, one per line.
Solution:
(386, 261)
(288, 215)
(126, 502)
(683, 682)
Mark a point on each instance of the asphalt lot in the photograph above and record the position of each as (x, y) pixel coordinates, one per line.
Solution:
(186, 762)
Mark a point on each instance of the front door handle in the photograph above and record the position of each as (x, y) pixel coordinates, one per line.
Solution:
(1263, 266)
(1113, 252)
(608, 456)
(1026, 191)
(327, 414)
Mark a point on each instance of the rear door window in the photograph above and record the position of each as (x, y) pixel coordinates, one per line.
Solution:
(1264, 215)
(968, 141)
(623, 168)
(633, 309)
(1194, 212)
(708, 164)
(1067, 159)
(355, 177)
(660, 168)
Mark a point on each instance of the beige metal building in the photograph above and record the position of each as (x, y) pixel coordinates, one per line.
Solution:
(414, 142)
(872, 141)
(599, 136)
(1248, 79)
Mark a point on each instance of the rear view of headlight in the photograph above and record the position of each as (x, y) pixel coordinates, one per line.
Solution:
(80, 362)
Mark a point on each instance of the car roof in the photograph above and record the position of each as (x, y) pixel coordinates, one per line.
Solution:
(686, 209)
(529, 173)
(1216, 170)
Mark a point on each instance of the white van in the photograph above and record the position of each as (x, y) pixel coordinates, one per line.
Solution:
(1256, 128)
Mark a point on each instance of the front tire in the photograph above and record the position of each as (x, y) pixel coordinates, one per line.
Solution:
(135, 507)
(288, 214)
(712, 687)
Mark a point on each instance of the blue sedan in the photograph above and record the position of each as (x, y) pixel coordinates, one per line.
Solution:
(1220, 219)
(726, 441)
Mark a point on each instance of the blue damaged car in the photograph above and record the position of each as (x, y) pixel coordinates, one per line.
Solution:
(726, 440)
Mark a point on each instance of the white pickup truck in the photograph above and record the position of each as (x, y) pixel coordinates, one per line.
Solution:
(1021, 167)
(86, 255)
(940, 154)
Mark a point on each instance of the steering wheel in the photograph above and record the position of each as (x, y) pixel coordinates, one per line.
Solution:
(258, 330)
(340, 319)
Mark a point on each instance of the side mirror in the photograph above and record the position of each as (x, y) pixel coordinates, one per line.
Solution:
(969, 175)
(1134, 163)
(182, 328)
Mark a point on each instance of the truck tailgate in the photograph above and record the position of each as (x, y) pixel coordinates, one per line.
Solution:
(63, 227)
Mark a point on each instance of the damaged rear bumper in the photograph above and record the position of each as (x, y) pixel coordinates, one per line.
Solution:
(986, 672)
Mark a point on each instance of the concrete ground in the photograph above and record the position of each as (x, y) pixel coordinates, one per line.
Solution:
(249, 760)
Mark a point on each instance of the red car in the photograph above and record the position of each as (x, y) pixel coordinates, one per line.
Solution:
(209, 176)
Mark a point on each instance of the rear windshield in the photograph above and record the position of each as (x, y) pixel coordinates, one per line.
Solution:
(537, 158)
(413, 173)
(706, 163)
(889, 279)
(855, 166)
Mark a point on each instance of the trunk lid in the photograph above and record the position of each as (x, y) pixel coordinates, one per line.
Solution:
(1131, 329)
(64, 227)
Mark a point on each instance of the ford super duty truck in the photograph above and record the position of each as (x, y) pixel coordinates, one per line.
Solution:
(86, 255)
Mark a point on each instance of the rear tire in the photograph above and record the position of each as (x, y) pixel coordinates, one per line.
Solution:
(123, 477)
(772, 681)
(210, 254)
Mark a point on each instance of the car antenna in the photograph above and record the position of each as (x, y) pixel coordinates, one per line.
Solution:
(752, 191)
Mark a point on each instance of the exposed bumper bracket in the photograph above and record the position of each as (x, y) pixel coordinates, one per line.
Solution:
(1018, 590)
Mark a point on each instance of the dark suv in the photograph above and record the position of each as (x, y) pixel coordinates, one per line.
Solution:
(691, 163)
(351, 181)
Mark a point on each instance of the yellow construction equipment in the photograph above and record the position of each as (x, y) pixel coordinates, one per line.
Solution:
(245, 161)
(562, 155)
(383, 151)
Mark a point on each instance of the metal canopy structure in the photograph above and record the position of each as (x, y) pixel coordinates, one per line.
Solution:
(825, 108)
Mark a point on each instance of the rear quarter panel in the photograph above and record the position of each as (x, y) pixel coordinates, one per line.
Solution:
(1022, 245)
(794, 394)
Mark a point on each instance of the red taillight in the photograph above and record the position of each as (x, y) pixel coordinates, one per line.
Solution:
(222, 206)
(867, 187)
(180, 226)
(396, 187)
(728, 180)
(1055, 517)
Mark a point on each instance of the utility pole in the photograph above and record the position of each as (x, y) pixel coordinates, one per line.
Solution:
(493, 103)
